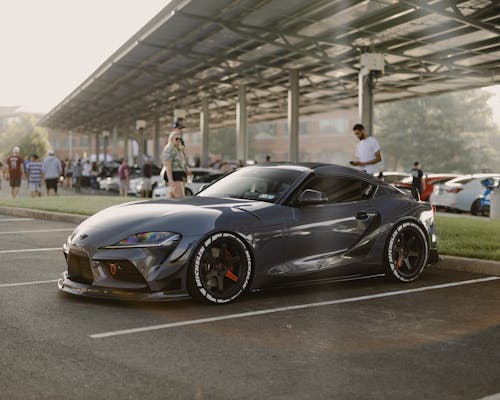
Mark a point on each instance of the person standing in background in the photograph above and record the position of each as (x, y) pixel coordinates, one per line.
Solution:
(34, 172)
(51, 171)
(417, 175)
(94, 173)
(68, 174)
(369, 157)
(178, 127)
(124, 175)
(77, 175)
(175, 166)
(147, 173)
(86, 173)
(15, 171)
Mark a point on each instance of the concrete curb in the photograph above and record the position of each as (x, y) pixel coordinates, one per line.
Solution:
(486, 267)
(41, 214)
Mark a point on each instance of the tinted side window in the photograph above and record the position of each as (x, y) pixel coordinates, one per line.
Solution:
(341, 189)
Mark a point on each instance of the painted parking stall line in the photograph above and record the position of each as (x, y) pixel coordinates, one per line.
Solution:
(289, 308)
(37, 231)
(3, 285)
(15, 219)
(30, 250)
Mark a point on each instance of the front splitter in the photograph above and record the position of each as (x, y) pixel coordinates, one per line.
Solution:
(79, 289)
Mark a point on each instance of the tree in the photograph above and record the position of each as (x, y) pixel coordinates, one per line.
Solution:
(447, 133)
(24, 133)
(222, 141)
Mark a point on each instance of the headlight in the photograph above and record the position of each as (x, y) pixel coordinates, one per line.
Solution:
(147, 239)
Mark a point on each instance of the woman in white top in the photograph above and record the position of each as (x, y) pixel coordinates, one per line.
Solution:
(175, 165)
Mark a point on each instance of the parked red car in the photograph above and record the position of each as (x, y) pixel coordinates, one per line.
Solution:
(429, 181)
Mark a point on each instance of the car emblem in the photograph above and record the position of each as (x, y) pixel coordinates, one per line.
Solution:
(84, 236)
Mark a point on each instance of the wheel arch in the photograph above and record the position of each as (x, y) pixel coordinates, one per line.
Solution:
(411, 219)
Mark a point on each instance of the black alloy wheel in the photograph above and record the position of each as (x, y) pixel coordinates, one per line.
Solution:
(406, 252)
(220, 269)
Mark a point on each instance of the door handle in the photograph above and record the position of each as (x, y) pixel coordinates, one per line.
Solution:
(362, 215)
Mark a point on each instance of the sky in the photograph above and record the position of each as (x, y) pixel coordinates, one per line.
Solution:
(49, 47)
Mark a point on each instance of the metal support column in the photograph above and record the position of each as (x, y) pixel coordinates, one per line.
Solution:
(204, 129)
(90, 146)
(97, 145)
(114, 144)
(156, 140)
(126, 146)
(70, 145)
(105, 140)
(140, 142)
(241, 125)
(365, 99)
(293, 116)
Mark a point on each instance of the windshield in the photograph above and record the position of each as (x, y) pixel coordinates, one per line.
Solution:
(254, 183)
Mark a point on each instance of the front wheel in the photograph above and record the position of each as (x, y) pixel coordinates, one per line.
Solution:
(406, 252)
(220, 269)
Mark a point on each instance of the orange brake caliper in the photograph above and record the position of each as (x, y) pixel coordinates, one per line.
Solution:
(230, 274)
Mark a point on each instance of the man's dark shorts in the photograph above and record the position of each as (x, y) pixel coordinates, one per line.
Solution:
(51, 184)
(15, 182)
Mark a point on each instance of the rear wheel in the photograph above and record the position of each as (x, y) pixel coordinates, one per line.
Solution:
(188, 192)
(220, 269)
(406, 252)
(475, 209)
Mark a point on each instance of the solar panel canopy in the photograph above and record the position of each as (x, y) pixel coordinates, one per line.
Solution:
(207, 49)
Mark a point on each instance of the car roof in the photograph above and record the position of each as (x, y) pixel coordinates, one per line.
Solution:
(319, 168)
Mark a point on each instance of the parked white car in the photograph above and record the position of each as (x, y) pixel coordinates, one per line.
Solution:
(110, 184)
(391, 177)
(201, 176)
(463, 193)
(137, 183)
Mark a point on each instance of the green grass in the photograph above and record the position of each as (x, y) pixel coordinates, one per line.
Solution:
(81, 205)
(457, 236)
(469, 237)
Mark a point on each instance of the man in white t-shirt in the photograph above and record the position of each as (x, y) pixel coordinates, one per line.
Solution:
(369, 158)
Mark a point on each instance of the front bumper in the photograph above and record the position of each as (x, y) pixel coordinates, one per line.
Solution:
(67, 285)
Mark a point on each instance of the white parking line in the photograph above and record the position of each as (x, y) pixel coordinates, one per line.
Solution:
(26, 283)
(491, 397)
(29, 250)
(15, 219)
(281, 309)
(37, 231)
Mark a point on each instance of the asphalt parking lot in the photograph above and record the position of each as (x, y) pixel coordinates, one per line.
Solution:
(361, 339)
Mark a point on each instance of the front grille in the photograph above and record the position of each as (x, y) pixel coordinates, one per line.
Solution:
(79, 269)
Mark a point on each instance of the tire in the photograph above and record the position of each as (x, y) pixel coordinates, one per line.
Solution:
(475, 208)
(220, 269)
(406, 252)
(188, 192)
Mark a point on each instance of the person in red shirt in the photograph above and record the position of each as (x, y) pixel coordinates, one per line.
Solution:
(14, 171)
(124, 175)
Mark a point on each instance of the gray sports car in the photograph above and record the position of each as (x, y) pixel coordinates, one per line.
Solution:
(258, 227)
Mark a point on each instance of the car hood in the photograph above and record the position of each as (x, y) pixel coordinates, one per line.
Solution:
(188, 216)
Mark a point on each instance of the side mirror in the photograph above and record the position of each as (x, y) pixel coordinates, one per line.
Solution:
(310, 196)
